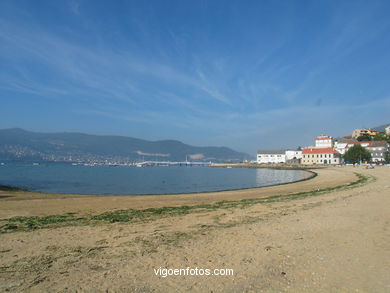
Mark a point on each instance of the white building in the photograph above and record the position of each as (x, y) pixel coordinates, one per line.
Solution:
(291, 155)
(271, 157)
(341, 147)
(324, 141)
(378, 150)
(387, 130)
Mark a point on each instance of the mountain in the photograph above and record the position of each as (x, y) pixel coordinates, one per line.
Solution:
(381, 127)
(19, 144)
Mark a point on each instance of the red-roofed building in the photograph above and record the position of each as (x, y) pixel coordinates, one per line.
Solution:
(320, 156)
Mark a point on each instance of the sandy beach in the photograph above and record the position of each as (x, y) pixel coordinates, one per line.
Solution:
(319, 235)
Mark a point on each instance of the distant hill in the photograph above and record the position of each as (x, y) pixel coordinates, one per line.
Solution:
(19, 144)
(381, 127)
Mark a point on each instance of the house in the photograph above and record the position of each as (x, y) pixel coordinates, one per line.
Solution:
(271, 157)
(341, 147)
(342, 144)
(320, 156)
(367, 132)
(387, 130)
(293, 155)
(378, 150)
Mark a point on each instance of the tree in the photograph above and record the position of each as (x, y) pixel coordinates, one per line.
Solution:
(380, 136)
(364, 137)
(357, 154)
(387, 157)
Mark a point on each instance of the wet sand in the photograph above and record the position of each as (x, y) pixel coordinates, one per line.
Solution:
(333, 242)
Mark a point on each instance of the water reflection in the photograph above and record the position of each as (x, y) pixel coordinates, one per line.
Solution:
(265, 176)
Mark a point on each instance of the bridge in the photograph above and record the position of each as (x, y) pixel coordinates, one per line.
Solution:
(169, 163)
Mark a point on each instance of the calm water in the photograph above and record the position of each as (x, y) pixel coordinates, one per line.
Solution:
(65, 178)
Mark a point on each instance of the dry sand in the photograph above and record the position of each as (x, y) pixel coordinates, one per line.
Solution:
(333, 242)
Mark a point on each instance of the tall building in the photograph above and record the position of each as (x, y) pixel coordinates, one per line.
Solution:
(324, 141)
(322, 153)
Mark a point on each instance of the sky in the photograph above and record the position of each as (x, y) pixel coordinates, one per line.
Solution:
(249, 75)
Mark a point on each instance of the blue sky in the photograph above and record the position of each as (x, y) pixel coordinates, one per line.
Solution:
(245, 74)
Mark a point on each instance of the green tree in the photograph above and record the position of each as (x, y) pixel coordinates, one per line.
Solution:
(387, 157)
(364, 137)
(357, 154)
(380, 136)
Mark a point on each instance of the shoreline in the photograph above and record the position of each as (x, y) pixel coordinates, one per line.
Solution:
(278, 166)
(132, 216)
(42, 204)
(11, 188)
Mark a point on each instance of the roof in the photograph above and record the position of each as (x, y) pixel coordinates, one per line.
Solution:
(374, 143)
(272, 152)
(322, 136)
(360, 142)
(295, 151)
(378, 143)
(319, 151)
(346, 139)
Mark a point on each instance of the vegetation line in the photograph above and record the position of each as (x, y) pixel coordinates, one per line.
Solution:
(135, 216)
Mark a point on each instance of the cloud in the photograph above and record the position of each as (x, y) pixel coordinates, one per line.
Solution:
(93, 72)
(169, 81)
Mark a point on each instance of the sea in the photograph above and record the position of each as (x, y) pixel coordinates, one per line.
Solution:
(130, 180)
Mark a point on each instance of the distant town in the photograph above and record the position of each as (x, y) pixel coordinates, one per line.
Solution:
(362, 146)
(328, 150)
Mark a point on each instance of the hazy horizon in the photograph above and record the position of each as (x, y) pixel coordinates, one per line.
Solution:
(249, 76)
